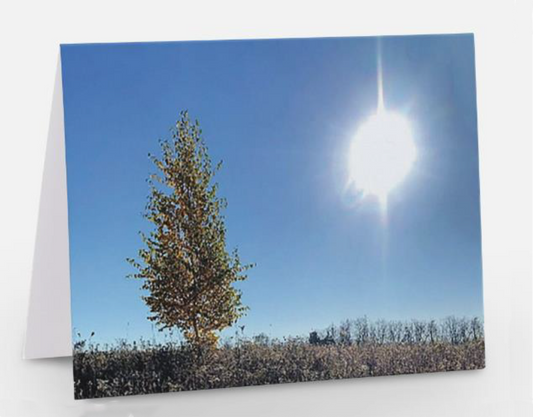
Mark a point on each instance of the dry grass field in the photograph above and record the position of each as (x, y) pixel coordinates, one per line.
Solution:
(368, 349)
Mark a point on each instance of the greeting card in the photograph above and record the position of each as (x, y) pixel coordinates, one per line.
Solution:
(259, 212)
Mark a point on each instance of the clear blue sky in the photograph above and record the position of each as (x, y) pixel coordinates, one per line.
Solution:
(281, 115)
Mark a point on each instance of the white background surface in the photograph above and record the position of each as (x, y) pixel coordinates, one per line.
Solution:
(30, 35)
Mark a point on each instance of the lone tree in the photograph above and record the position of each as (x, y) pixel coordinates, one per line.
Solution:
(184, 264)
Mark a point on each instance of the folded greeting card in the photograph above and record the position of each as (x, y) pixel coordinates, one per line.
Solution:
(259, 212)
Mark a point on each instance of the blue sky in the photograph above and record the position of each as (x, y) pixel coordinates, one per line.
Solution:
(281, 115)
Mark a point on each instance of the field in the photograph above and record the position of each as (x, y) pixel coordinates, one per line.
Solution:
(355, 349)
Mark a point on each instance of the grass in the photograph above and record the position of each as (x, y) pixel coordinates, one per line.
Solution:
(131, 369)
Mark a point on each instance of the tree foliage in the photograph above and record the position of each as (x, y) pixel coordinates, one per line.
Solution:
(186, 270)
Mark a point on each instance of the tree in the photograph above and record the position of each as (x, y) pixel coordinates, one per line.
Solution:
(186, 270)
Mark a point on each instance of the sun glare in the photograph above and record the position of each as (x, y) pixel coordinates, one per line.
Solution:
(381, 154)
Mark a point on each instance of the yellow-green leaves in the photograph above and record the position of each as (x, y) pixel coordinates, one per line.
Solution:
(184, 264)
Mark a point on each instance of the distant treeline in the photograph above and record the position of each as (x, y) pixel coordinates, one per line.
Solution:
(363, 331)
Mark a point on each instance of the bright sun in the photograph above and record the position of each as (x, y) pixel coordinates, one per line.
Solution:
(381, 154)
